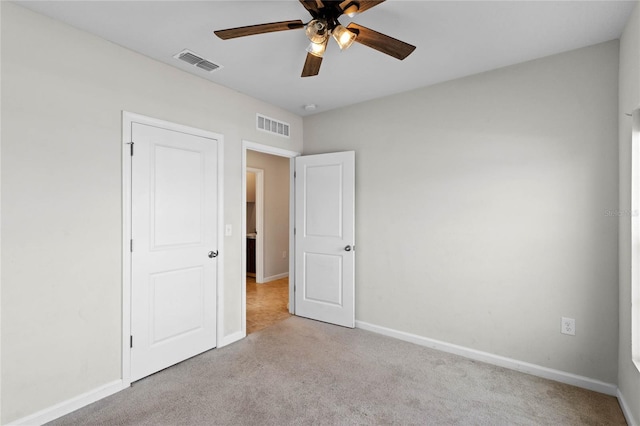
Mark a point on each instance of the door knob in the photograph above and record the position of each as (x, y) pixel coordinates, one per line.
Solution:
(213, 254)
(347, 248)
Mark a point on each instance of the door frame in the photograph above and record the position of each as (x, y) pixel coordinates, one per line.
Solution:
(291, 155)
(128, 118)
(259, 222)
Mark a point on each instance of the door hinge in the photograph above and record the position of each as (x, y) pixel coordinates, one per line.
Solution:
(131, 147)
(295, 174)
(131, 341)
(131, 245)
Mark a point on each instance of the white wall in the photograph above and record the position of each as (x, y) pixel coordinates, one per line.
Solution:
(480, 209)
(629, 99)
(63, 92)
(276, 210)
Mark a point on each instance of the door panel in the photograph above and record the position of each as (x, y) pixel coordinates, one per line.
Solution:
(323, 278)
(177, 207)
(169, 319)
(174, 226)
(323, 208)
(324, 217)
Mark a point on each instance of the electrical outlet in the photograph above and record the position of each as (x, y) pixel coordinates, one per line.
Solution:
(568, 326)
(284, 254)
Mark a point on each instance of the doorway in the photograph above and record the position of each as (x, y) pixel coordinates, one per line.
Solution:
(267, 230)
(255, 219)
(267, 240)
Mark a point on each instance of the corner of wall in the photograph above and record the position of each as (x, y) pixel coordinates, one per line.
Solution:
(629, 100)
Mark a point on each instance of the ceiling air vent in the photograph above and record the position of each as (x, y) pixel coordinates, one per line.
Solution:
(195, 60)
(207, 66)
(270, 125)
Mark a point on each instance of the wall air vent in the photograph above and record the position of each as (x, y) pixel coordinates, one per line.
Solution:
(270, 125)
(196, 60)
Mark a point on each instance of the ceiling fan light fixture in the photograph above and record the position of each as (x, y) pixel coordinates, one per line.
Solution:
(317, 49)
(343, 37)
(317, 31)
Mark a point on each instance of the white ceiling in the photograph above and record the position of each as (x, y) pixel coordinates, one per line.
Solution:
(453, 39)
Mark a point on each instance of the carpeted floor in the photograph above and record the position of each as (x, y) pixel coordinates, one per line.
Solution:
(305, 372)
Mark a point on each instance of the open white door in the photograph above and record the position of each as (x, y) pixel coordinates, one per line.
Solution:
(325, 237)
(174, 228)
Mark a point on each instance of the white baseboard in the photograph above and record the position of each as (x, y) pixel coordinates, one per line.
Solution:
(274, 277)
(631, 421)
(512, 364)
(232, 338)
(70, 405)
(66, 407)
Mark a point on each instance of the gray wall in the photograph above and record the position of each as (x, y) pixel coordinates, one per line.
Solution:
(276, 210)
(629, 99)
(480, 209)
(63, 91)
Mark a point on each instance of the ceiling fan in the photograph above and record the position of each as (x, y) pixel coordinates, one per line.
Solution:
(325, 14)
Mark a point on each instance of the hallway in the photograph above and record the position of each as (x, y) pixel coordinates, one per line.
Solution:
(266, 303)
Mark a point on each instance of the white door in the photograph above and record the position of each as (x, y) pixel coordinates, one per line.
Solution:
(325, 237)
(174, 227)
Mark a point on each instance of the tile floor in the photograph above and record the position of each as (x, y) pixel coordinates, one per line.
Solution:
(266, 303)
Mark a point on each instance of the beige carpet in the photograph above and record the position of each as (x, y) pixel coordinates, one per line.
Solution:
(306, 372)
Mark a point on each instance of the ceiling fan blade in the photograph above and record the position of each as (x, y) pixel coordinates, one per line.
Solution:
(312, 6)
(381, 42)
(259, 29)
(362, 5)
(311, 65)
